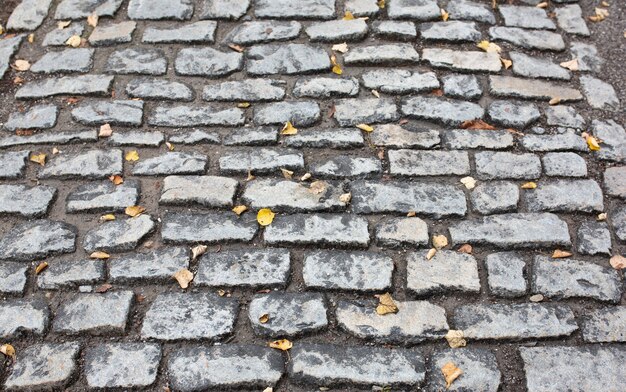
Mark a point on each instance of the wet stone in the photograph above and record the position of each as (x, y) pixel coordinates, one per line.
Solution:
(507, 86)
(224, 9)
(393, 135)
(290, 314)
(28, 14)
(446, 111)
(419, 10)
(112, 34)
(68, 60)
(587, 55)
(429, 199)
(344, 166)
(291, 196)
(295, 9)
(392, 30)
(514, 322)
(159, 89)
(415, 322)
(252, 136)
(605, 325)
(248, 90)
(452, 31)
(286, 59)
(472, 61)
(304, 113)
(337, 31)
(528, 39)
(513, 231)
(347, 270)
(399, 81)
(207, 62)
(195, 368)
(99, 85)
(570, 19)
(594, 238)
(37, 239)
(120, 112)
(537, 67)
(446, 271)
(337, 230)
(568, 278)
(207, 191)
(173, 162)
(58, 37)
(330, 365)
(267, 267)
(211, 228)
(157, 265)
(194, 136)
(43, 138)
(23, 317)
(261, 161)
(95, 314)
(326, 87)
(137, 61)
(513, 114)
(495, 197)
(12, 277)
(402, 232)
(565, 116)
(526, 17)
(193, 116)
(46, 365)
(565, 196)
(428, 163)
(258, 32)
(377, 55)
(103, 196)
(567, 141)
(367, 111)
(339, 138)
(362, 7)
(506, 274)
(480, 370)
(78, 9)
(462, 86)
(89, 164)
(26, 201)
(613, 139)
(507, 165)
(473, 139)
(122, 365)
(600, 94)
(13, 164)
(564, 164)
(206, 316)
(36, 117)
(615, 181)
(160, 9)
(71, 274)
(118, 235)
(197, 32)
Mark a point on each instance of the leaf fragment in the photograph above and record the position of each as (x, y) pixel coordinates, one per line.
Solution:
(8, 350)
(450, 373)
(455, 338)
(264, 318)
(365, 127)
(348, 16)
(543, 4)
(40, 267)
(489, 47)
(376, 93)
(593, 144)
(116, 179)
(411, 214)
(38, 158)
(107, 217)
(132, 156)
(465, 248)
(431, 253)
(529, 185)
(336, 67)
(198, 251)
(169, 146)
(289, 129)
(477, 124)
(381, 3)
(440, 241)
(281, 344)
(618, 262)
(572, 65)
(536, 298)
(243, 105)
(31, 38)
(554, 101)
(73, 41)
(345, 198)
(99, 255)
(602, 216)
(317, 187)
(92, 20)
(444, 15)
(506, 62)
(288, 174)
(21, 65)
(386, 305)
(305, 177)
(105, 130)
(561, 254)
(183, 277)
(469, 182)
(240, 209)
(236, 48)
(63, 24)
(104, 288)
(341, 48)
(250, 176)
(134, 211)
(265, 216)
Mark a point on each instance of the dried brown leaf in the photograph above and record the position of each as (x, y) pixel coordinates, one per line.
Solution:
(450, 372)
(386, 305)
(183, 277)
(455, 338)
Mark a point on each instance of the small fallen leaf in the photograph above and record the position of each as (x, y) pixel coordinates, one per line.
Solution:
(40, 267)
(469, 182)
(554, 101)
(365, 127)
(31, 38)
(92, 20)
(529, 185)
(21, 65)
(38, 158)
(288, 174)
(289, 129)
(105, 130)
(116, 179)
(198, 251)
(489, 47)
(243, 105)
(411, 214)
(317, 187)
(437, 92)
(543, 4)
(477, 124)
(63, 24)
(381, 3)
(593, 144)
(264, 318)
(236, 48)
(73, 41)
(8, 350)
(572, 65)
(386, 305)
(450, 372)
(221, 292)
(444, 15)
(55, 151)
(341, 48)
(107, 217)
(134, 211)
(305, 177)
(183, 277)
(104, 288)
(265, 216)
(268, 389)
(440, 241)
(169, 146)
(376, 93)
(465, 248)
(250, 176)
(282, 344)
(345, 198)
(431, 253)
(506, 62)
(618, 262)
(18, 80)
(560, 254)
(1, 29)
(336, 67)
(132, 156)
(536, 298)
(240, 209)
(602, 216)
(455, 338)
(99, 255)
(348, 16)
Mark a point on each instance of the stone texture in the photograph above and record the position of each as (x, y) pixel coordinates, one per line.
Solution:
(158, 265)
(613, 138)
(462, 60)
(368, 111)
(565, 196)
(446, 271)
(506, 276)
(78, 9)
(452, 31)
(118, 235)
(137, 61)
(303, 114)
(526, 17)
(564, 164)
(462, 86)
(208, 191)
(480, 370)
(503, 165)
(195, 136)
(594, 238)
(560, 142)
(95, 314)
(618, 221)
(494, 197)
(446, 111)
(103, 196)
(290, 314)
(24, 317)
(68, 60)
(207, 62)
(513, 114)
(252, 136)
(172, 162)
(507, 86)
(26, 201)
(469, 10)
(318, 229)
(326, 87)
(570, 19)
(402, 232)
(396, 136)
(600, 94)
(290, 196)
(63, 274)
(160, 9)
(286, 59)
(295, 9)
(345, 166)
(58, 37)
(99, 85)
(8, 47)
(248, 90)
(197, 32)
(183, 227)
(193, 116)
(112, 34)
(37, 239)
(337, 138)
(604, 325)
(392, 30)
(261, 161)
(12, 277)
(362, 7)
(419, 10)
(122, 365)
(537, 67)
(224, 9)
(119, 112)
(89, 164)
(388, 54)
(528, 39)
(477, 139)
(428, 163)
(13, 164)
(36, 117)
(258, 32)
(587, 55)
(337, 30)
(28, 14)
(399, 81)
(137, 138)
(615, 181)
(44, 366)
(565, 116)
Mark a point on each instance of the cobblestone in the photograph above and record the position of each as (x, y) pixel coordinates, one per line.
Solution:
(112, 34)
(13, 164)
(428, 163)
(480, 370)
(288, 59)
(528, 39)
(461, 60)
(289, 314)
(399, 232)
(594, 238)
(452, 31)
(346, 167)
(261, 161)
(247, 90)
(13, 277)
(173, 162)
(537, 67)
(396, 136)
(69, 60)
(513, 114)
(206, 227)
(340, 138)
(396, 54)
(24, 317)
(356, 111)
(157, 265)
(121, 112)
(122, 365)
(565, 196)
(604, 325)
(96, 314)
(341, 230)
(37, 239)
(78, 9)
(446, 271)
(71, 274)
(201, 31)
(615, 181)
(495, 197)
(507, 165)
(337, 30)
(207, 62)
(564, 164)
(103, 196)
(98, 85)
(506, 276)
(37, 117)
(159, 89)
(446, 111)
(290, 196)
(462, 86)
(26, 201)
(472, 139)
(118, 235)
(257, 32)
(322, 87)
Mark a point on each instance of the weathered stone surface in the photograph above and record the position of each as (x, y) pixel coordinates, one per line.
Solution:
(462, 86)
(507, 86)
(58, 37)
(286, 59)
(330, 365)
(474, 139)
(295, 9)
(618, 221)
(304, 113)
(428, 163)
(193, 116)
(208, 62)
(172, 162)
(68, 60)
(290, 314)
(528, 39)
(261, 161)
(291, 196)
(68, 85)
(89, 164)
(462, 60)
(251, 136)
(506, 274)
(368, 111)
(103, 196)
(503, 165)
(446, 271)
(537, 67)
(446, 111)
(469, 10)
(570, 19)
(326, 87)
(396, 136)
(560, 142)
(565, 196)
(495, 197)
(118, 235)
(160, 9)
(71, 274)
(615, 181)
(24, 317)
(561, 279)
(526, 17)
(480, 370)
(415, 322)
(339, 138)
(176, 316)
(430, 199)
(582, 368)
(224, 9)
(208, 191)
(26, 201)
(613, 138)
(345, 166)
(401, 232)
(12, 163)
(36, 117)
(248, 90)
(96, 314)
(157, 265)
(587, 55)
(513, 322)
(28, 14)
(12, 277)
(513, 231)
(119, 33)
(119, 112)
(399, 81)
(341, 230)
(337, 30)
(137, 138)
(564, 164)
(145, 61)
(78, 9)
(389, 54)
(599, 94)
(594, 238)
(565, 116)
(8, 47)
(195, 136)
(122, 365)
(194, 368)
(183, 227)
(198, 32)
(392, 30)
(362, 7)
(257, 32)
(37, 239)
(419, 10)
(347, 270)
(513, 114)
(43, 366)
(245, 267)
(452, 31)
(605, 325)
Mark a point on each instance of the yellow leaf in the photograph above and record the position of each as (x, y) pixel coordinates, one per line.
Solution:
(440, 241)
(107, 217)
(337, 69)
(289, 129)
(183, 277)
(63, 24)
(264, 318)
(1, 29)
(55, 151)
(365, 127)
(265, 216)
(593, 144)
(40, 267)
(444, 15)
(38, 158)
(348, 16)
(236, 48)
(381, 3)
(282, 344)
(73, 41)
(469, 182)
(317, 187)
(268, 389)
(489, 47)
(342, 48)
(431, 253)
(134, 211)
(132, 156)
(21, 65)
(105, 130)
(99, 255)
(561, 254)
(169, 146)
(8, 350)
(243, 105)
(572, 65)
(116, 179)
(288, 174)
(506, 62)
(529, 185)
(386, 305)
(345, 198)
(450, 373)
(198, 251)
(221, 292)
(240, 209)
(618, 262)
(31, 38)
(376, 93)
(92, 20)
(455, 338)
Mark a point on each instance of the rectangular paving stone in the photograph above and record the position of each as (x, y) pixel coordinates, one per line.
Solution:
(78, 9)
(12, 163)
(587, 55)
(388, 54)
(63, 274)
(605, 325)
(594, 238)
(195, 368)
(24, 317)
(462, 60)
(194, 116)
(295, 9)
(293, 314)
(145, 61)
(325, 87)
(335, 365)
(462, 86)
(66, 61)
(446, 271)
(528, 39)
(158, 89)
(506, 274)
(286, 59)
(206, 316)
(35, 117)
(216, 227)
(514, 322)
(122, 365)
(508, 86)
(300, 114)
(394, 30)
(401, 232)
(224, 9)
(119, 112)
(98, 85)
(443, 110)
(345, 166)
(87, 164)
(567, 141)
(252, 136)
(95, 314)
(470, 10)
(207, 62)
(172, 162)
(160, 9)
(565, 196)
(526, 17)
(261, 161)
(263, 31)
(564, 164)
(599, 94)
(503, 165)
(450, 31)
(419, 10)
(614, 181)
(475, 139)
(197, 32)
(137, 138)
(291, 196)
(353, 111)
(396, 136)
(613, 138)
(428, 163)
(399, 81)
(247, 90)
(423, 198)
(28, 14)
(340, 230)
(207, 191)
(347, 270)
(524, 230)
(480, 370)
(12, 277)
(8, 47)
(26, 201)
(158, 265)
(362, 7)
(537, 67)
(337, 30)
(118, 235)
(112, 34)
(338, 138)
(495, 197)
(195, 136)
(570, 19)
(56, 137)
(103, 196)
(565, 116)
(37, 239)
(567, 278)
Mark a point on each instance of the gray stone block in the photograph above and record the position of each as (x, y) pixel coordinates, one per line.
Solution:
(122, 365)
(103, 196)
(26, 201)
(44, 366)
(340, 230)
(506, 274)
(118, 235)
(446, 271)
(157, 265)
(217, 227)
(23, 317)
(207, 191)
(289, 314)
(95, 314)
(29, 241)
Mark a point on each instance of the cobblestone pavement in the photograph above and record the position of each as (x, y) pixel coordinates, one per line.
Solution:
(390, 184)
